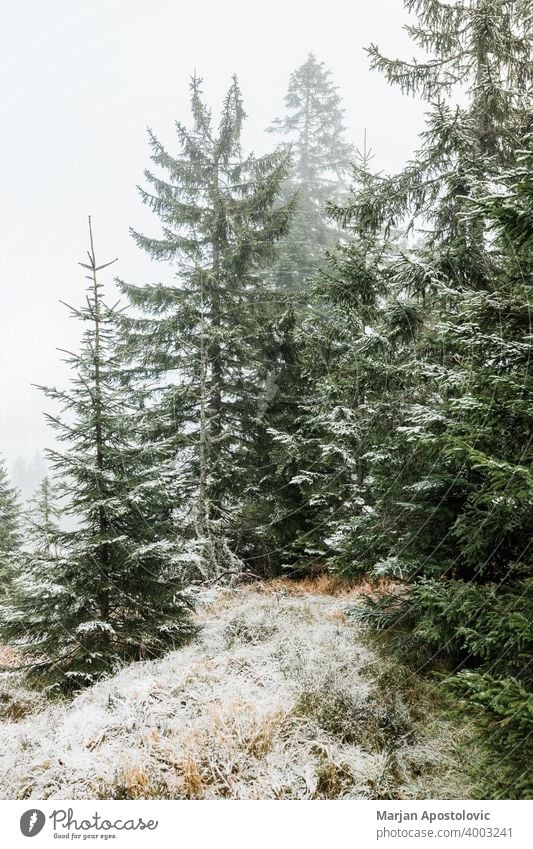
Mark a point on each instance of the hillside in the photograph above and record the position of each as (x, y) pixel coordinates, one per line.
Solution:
(281, 696)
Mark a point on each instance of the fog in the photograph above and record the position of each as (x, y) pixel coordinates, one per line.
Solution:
(83, 80)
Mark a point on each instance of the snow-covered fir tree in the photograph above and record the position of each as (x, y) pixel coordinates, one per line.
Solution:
(10, 539)
(481, 47)
(201, 337)
(42, 519)
(487, 438)
(107, 591)
(313, 126)
(26, 475)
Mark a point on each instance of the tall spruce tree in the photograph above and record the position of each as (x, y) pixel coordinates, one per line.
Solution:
(479, 619)
(202, 336)
(313, 125)
(9, 531)
(27, 475)
(108, 590)
(42, 519)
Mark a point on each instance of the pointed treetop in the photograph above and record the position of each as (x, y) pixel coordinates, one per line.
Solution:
(231, 122)
(201, 114)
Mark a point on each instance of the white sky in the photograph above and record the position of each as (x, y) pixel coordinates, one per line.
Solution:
(83, 80)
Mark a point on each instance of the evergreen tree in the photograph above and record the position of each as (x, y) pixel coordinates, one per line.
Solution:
(107, 591)
(201, 336)
(9, 531)
(26, 476)
(43, 519)
(487, 440)
(313, 125)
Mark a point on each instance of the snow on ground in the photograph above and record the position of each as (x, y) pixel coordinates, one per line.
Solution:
(276, 699)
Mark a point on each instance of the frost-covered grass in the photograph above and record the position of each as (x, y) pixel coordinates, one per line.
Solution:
(280, 697)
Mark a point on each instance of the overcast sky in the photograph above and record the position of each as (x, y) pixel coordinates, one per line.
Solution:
(83, 80)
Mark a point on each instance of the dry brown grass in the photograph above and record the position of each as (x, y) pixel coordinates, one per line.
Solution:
(338, 616)
(328, 584)
(9, 657)
(136, 783)
(192, 779)
(333, 779)
(260, 742)
(199, 765)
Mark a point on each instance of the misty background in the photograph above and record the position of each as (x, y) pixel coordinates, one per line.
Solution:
(82, 81)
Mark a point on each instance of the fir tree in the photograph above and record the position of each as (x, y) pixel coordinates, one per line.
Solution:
(313, 125)
(344, 357)
(9, 531)
(476, 46)
(43, 519)
(201, 336)
(27, 475)
(487, 440)
(107, 591)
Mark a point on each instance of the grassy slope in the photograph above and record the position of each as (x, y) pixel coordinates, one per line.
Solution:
(280, 697)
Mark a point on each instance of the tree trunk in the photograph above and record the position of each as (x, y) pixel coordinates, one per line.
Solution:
(103, 550)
